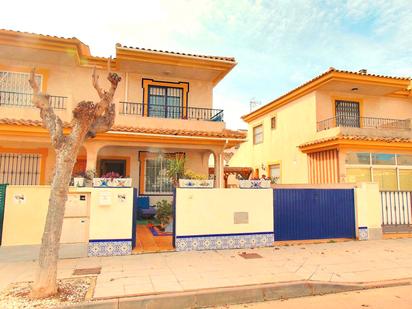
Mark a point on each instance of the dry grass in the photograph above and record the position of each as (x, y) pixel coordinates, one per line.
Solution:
(71, 291)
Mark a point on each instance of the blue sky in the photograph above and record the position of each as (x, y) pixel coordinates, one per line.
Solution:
(278, 44)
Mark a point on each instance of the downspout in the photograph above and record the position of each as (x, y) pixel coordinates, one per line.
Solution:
(126, 88)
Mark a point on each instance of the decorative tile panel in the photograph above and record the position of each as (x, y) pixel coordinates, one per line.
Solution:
(109, 247)
(231, 241)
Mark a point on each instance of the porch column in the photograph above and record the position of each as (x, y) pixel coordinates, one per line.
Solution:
(219, 172)
(91, 153)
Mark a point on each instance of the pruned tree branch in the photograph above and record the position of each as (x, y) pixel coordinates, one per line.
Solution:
(51, 121)
(95, 81)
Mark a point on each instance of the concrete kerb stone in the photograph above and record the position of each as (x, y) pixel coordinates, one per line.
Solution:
(235, 295)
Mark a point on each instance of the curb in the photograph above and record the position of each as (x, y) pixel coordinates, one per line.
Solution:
(235, 295)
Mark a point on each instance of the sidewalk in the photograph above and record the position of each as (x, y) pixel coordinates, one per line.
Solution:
(353, 261)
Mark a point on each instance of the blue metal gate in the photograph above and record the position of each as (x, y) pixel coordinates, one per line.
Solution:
(314, 213)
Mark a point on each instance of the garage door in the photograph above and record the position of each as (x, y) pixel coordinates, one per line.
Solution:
(314, 214)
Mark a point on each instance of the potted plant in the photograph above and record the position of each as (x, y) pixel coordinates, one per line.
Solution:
(82, 179)
(255, 183)
(176, 169)
(112, 180)
(164, 213)
(79, 179)
(195, 180)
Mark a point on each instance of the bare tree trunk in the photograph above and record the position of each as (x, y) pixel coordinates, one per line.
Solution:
(88, 119)
(46, 276)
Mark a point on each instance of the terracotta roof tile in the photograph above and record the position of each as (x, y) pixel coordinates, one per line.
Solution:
(37, 34)
(230, 59)
(322, 75)
(357, 138)
(219, 134)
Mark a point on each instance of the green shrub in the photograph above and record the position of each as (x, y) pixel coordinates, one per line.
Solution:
(195, 176)
(164, 212)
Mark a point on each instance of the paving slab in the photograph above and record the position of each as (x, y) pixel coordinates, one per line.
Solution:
(343, 262)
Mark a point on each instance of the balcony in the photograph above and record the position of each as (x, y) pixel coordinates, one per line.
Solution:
(364, 126)
(171, 112)
(364, 123)
(18, 99)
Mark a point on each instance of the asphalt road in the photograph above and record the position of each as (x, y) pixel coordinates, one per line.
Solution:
(395, 297)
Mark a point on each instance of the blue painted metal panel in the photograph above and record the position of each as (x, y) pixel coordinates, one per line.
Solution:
(314, 213)
(134, 217)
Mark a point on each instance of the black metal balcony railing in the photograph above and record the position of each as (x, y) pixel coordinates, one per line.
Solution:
(9, 98)
(363, 122)
(175, 112)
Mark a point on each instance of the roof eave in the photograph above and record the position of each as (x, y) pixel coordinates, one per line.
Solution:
(317, 82)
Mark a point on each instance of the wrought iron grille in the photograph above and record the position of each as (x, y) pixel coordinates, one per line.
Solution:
(363, 122)
(19, 99)
(176, 112)
(20, 169)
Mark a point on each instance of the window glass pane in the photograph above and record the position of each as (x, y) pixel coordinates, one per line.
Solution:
(273, 122)
(274, 171)
(404, 159)
(358, 158)
(156, 180)
(405, 180)
(157, 101)
(358, 174)
(383, 159)
(386, 178)
(15, 88)
(258, 134)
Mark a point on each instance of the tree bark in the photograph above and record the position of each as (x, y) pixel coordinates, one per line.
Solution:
(45, 283)
(88, 119)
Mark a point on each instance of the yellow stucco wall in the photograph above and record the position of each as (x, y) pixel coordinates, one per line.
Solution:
(24, 222)
(113, 221)
(296, 124)
(368, 208)
(74, 82)
(211, 211)
(371, 106)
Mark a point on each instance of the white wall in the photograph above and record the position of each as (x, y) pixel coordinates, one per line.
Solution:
(211, 211)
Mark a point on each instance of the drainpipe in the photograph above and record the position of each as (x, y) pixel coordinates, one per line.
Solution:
(126, 88)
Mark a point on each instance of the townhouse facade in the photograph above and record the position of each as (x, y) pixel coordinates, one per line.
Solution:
(339, 127)
(164, 109)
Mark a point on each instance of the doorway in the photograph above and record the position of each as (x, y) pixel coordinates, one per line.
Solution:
(112, 165)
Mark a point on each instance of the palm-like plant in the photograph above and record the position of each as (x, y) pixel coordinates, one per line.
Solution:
(176, 169)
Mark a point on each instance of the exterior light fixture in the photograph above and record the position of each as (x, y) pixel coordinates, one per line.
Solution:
(355, 89)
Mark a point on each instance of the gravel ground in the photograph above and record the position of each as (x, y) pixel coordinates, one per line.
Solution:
(71, 291)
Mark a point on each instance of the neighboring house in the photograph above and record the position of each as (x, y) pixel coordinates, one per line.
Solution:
(164, 108)
(338, 127)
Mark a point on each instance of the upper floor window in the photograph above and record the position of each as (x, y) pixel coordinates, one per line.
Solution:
(347, 113)
(165, 102)
(273, 122)
(258, 134)
(17, 81)
(164, 99)
(15, 88)
(274, 173)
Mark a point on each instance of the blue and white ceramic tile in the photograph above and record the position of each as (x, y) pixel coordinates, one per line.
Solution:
(224, 242)
(109, 248)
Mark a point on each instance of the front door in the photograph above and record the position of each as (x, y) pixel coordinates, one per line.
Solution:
(116, 166)
(347, 114)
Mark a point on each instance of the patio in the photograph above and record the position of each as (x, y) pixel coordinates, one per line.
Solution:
(147, 242)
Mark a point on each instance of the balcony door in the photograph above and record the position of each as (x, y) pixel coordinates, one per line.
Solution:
(15, 88)
(165, 102)
(347, 114)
